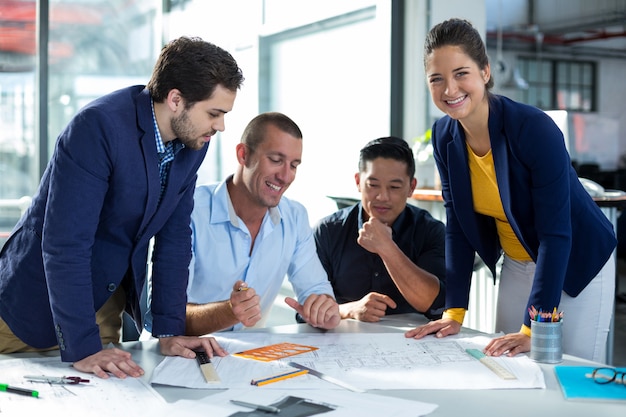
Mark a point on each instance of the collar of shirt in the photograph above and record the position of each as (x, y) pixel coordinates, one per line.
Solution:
(223, 209)
(165, 151)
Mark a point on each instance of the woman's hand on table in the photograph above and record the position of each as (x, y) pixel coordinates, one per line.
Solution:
(440, 328)
(510, 344)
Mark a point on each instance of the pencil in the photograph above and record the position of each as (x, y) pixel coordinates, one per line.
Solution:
(279, 377)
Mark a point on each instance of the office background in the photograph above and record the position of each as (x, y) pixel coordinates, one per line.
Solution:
(346, 71)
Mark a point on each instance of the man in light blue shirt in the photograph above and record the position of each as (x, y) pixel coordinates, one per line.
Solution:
(246, 237)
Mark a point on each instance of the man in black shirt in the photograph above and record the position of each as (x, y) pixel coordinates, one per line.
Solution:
(383, 256)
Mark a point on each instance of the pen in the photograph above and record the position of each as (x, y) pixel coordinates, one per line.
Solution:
(279, 377)
(260, 407)
(20, 391)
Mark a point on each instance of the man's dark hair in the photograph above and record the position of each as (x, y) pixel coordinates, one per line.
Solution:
(194, 67)
(389, 147)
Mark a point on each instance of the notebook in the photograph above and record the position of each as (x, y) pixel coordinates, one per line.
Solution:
(576, 386)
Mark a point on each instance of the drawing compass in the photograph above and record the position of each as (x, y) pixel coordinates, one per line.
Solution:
(63, 380)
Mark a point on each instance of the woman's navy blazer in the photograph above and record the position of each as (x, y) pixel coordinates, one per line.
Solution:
(555, 219)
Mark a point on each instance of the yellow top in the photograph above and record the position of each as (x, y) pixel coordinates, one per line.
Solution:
(486, 199)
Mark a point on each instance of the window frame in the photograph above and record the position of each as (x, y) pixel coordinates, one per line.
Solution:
(553, 87)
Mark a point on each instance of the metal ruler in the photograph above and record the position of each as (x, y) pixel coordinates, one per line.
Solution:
(325, 377)
(498, 369)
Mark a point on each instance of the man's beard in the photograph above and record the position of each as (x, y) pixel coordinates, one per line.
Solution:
(182, 128)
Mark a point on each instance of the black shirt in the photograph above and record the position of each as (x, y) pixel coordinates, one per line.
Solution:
(354, 271)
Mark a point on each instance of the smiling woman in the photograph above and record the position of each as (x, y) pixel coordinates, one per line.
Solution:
(510, 190)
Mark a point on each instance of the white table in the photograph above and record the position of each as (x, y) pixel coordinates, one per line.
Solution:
(510, 403)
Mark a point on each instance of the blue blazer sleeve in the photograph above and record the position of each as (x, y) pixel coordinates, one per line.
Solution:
(170, 265)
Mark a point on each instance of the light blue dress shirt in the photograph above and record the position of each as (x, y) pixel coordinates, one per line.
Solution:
(221, 252)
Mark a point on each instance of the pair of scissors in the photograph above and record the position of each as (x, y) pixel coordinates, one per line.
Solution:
(69, 380)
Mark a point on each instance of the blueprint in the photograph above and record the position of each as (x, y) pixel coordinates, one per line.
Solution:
(365, 360)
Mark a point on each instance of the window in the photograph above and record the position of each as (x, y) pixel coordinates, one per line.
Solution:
(559, 85)
(332, 77)
(323, 63)
(94, 47)
(575, 86)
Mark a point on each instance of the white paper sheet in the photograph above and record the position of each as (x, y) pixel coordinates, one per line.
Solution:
(113, 396)
(366, 361)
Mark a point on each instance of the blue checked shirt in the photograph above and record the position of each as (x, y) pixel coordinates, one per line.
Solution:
(166, 152)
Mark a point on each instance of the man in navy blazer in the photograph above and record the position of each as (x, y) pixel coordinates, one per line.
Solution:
(123, 171)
